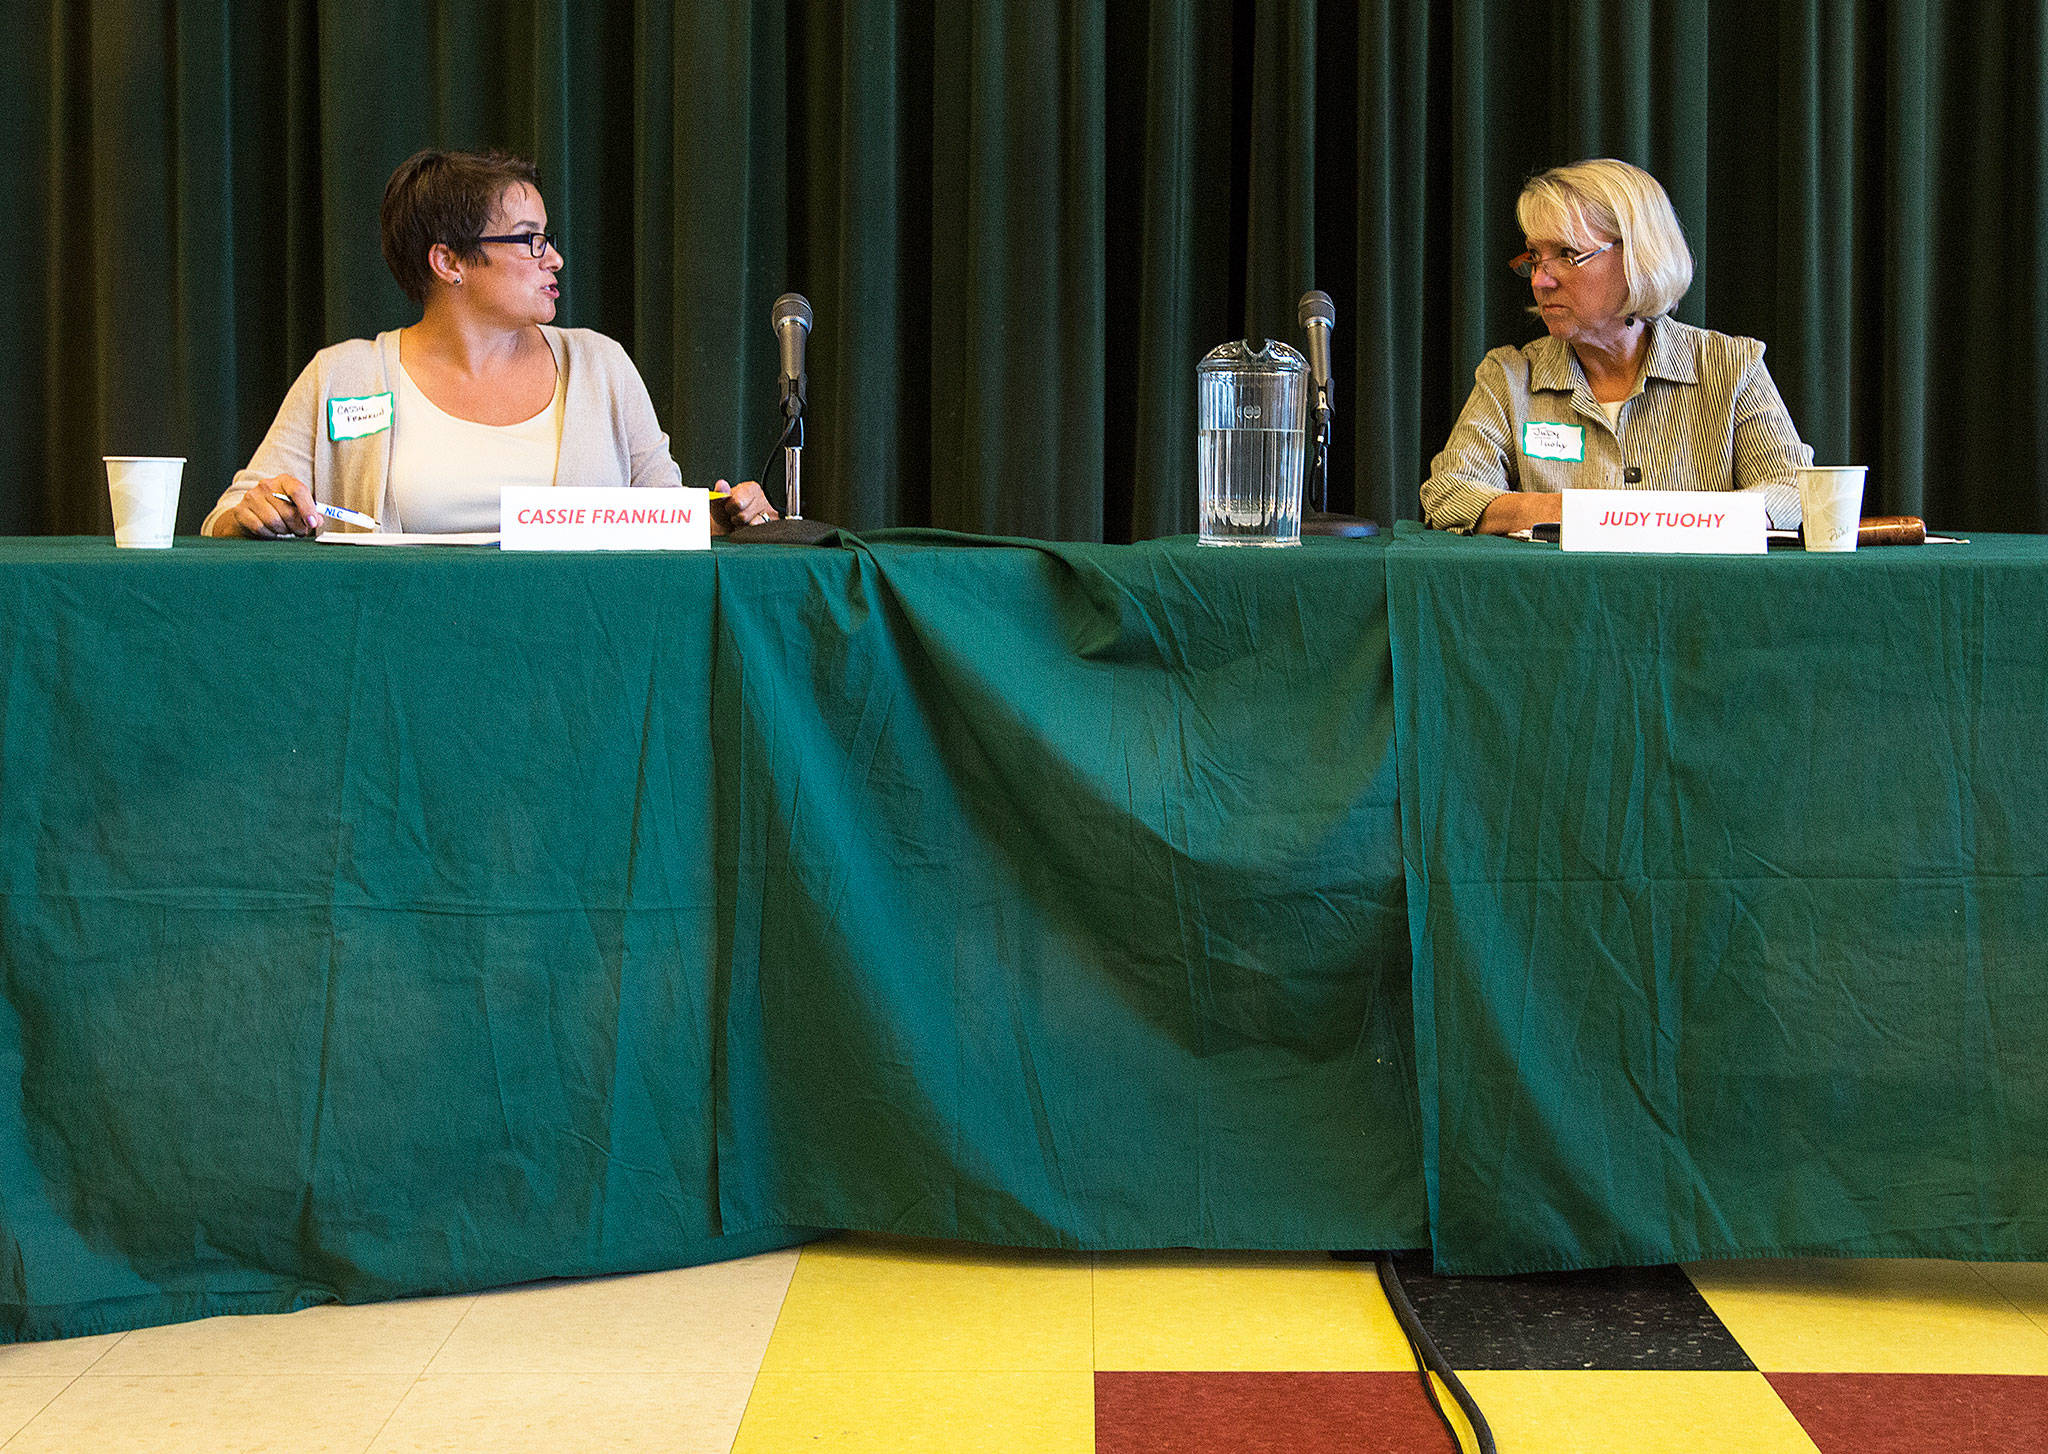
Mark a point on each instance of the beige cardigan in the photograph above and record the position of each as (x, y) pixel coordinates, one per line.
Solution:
(609, 433)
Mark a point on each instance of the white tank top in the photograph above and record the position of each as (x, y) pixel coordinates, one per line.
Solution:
(446, 472)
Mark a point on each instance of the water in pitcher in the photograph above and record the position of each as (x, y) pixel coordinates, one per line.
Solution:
(1251, 406)
(1251, 486)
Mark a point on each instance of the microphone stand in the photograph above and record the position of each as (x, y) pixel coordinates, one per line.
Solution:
(1320, 521)
(792, 528)
(1318, 315)
(1319, 454)
(793, 470)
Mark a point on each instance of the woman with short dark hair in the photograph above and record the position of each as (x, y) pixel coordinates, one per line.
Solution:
(422, 427)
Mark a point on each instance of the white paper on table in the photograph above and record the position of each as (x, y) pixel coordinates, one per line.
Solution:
(400, 537)
(1664, 522)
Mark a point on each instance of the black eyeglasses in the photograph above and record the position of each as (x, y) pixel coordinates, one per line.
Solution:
(536, 243)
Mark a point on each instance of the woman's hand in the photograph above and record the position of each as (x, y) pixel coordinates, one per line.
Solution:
(746, 505)
(1518, 510)
(260, 516)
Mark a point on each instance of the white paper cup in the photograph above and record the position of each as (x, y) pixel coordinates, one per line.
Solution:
(1831, 505)
(144, 490)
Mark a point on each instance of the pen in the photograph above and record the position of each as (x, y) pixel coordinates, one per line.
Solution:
(335, 512)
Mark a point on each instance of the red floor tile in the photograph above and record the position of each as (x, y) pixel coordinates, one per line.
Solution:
(1917, 1413)
(1264, 1413)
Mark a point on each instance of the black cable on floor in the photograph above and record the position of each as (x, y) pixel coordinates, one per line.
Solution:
(1428, 1360)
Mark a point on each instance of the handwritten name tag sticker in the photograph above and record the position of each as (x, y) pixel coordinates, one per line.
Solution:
(565, 517)
(354, 418)
(1541, 440)
(1664, 522)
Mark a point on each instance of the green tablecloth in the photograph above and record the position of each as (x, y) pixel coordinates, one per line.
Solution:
(1728, 882)
(380, 922)
(356, 918)
(1069, 904)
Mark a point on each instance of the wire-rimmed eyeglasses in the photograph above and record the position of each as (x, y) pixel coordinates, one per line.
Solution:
(1524, 265)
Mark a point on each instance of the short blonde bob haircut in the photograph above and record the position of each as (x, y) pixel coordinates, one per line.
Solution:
(1593, 202)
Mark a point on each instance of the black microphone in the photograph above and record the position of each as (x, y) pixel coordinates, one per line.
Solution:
(792, 320)
(1319, 316)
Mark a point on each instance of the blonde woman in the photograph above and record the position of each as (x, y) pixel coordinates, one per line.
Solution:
(1618, 394)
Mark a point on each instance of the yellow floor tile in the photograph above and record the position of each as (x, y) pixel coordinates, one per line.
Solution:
(1642, 1413)
(567, 1413)
(212, 1414)
(877, 1303)
(1242, 1311)
(1823, 1315)
(21, 1399)
(2023, 1284)
(65, 1358)
(920, 1413)
(368, 1339)
(710, 1319)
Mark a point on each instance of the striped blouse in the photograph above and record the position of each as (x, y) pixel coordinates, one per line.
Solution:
(1704, 416)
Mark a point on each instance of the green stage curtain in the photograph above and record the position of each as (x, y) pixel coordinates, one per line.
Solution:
(1022, 222)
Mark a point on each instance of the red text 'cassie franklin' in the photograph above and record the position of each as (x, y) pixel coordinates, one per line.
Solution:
(587, 515)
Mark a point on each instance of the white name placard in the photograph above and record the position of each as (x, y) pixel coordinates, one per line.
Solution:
(568, 517)
(1664, 522)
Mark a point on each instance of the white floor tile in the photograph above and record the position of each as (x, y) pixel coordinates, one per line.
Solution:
(66, 1358)
(370, 1339)
(558, 1413)
(212, 1415)
(711, 1319)
(21, 1399)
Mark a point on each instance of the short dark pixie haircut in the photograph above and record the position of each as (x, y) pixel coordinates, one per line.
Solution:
(443, 196)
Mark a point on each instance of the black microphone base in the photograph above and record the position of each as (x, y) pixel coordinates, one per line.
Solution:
(1349, 527)
(783, 532)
